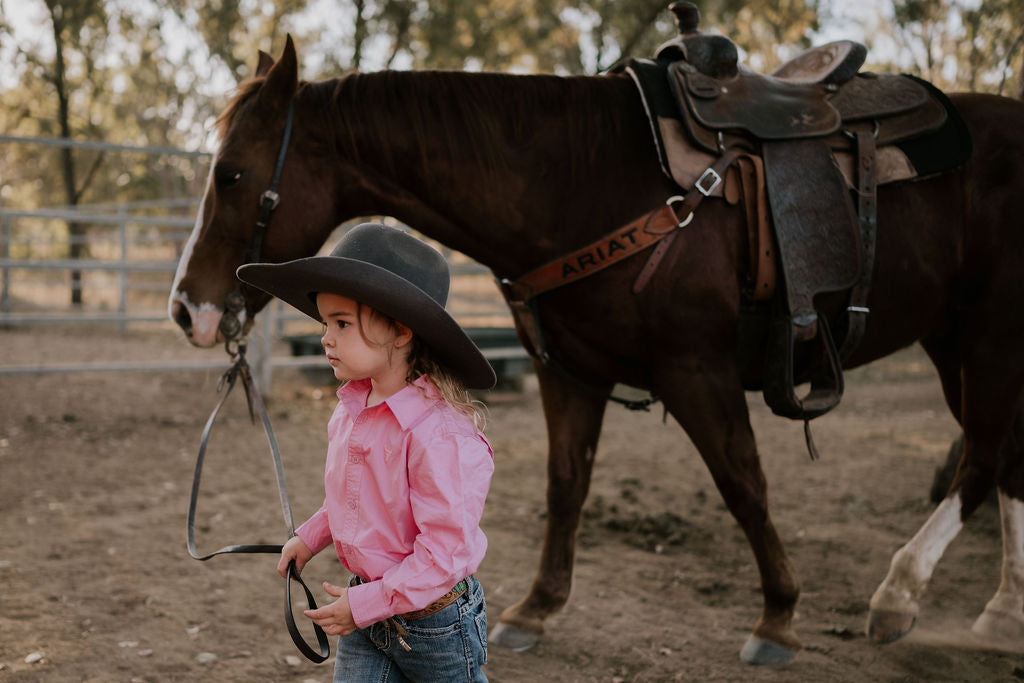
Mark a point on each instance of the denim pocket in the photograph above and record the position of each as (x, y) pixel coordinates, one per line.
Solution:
(481, 629)
(379, 635)
(441, 624)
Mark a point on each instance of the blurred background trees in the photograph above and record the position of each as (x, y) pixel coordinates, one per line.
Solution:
(156, 72)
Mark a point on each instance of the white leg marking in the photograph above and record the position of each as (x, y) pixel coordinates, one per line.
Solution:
(1004, 614)
(913, 564)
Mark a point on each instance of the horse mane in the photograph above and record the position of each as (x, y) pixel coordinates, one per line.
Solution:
(479, 117)
(476, 117)
(246, 90)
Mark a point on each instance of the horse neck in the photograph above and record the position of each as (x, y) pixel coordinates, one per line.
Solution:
(502, 168)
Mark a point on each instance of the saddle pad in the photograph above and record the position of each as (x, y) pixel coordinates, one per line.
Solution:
(946, 148)
(815, 223)
(680, 162)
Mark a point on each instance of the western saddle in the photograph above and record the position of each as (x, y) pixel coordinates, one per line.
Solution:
(793, 123)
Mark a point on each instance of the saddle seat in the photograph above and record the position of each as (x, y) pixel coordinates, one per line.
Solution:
(808, 105)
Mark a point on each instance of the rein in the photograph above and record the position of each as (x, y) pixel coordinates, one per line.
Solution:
(235, 345)
(240, 369)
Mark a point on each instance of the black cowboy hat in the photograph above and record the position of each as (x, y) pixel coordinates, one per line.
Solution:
(392, 272)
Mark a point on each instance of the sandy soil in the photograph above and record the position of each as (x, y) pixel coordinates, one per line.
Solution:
(96, 584)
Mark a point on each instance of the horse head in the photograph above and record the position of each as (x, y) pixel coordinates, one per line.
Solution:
(252, 136)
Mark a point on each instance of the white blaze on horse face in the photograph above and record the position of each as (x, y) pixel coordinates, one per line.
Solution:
(1003, 617)
(913, 564)
(205, 316)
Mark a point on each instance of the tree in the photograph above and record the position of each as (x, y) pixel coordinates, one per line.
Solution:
(83, 22)
(963, 45)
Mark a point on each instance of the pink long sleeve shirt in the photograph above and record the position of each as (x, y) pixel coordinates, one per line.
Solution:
(405, 484)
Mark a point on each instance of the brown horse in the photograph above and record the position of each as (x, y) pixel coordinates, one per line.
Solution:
(515, 171)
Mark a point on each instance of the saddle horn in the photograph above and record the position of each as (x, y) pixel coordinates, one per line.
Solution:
(712, 55)
(687, 18)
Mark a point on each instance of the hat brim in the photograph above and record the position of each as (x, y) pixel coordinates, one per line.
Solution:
(298, 282)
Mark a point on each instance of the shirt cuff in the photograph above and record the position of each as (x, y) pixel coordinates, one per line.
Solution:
(315, 533)
(368, 604)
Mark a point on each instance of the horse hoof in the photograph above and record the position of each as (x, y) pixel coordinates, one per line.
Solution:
(512, 637)
(1002, 626)
(764, 652)
(885, 627)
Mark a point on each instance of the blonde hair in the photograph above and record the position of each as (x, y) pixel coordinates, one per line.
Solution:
(451, 388)
(422, 362)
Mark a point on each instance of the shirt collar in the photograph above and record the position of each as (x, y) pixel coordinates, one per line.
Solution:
(407, 404)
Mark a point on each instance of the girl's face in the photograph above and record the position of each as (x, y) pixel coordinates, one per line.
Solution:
(360, 344)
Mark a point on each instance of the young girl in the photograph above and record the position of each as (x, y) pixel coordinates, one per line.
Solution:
(407, 465)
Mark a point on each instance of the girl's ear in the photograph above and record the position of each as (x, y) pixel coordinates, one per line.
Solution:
(403, 335)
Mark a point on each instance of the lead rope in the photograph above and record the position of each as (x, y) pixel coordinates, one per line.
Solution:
(240, 368)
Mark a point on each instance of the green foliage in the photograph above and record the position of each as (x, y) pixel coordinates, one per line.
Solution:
(963, 45)
(156, 72)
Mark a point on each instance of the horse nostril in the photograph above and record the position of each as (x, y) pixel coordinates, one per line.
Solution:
(181, 316)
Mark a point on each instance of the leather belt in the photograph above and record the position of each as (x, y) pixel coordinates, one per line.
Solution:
(436, 606)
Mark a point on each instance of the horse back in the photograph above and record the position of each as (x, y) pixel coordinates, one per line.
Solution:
(952, 242)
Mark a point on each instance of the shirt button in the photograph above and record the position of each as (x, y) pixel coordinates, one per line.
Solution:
(354, 459)
(352, 505)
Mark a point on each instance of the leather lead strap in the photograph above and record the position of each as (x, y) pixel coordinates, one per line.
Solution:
(240, 368)
(231, 328)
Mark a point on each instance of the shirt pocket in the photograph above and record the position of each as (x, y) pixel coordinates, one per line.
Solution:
(392, 448)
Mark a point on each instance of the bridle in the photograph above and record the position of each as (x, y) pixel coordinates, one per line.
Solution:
(230, 324)
(235, 344)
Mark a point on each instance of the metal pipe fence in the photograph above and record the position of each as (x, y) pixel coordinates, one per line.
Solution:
(133, 248)
(38, 255)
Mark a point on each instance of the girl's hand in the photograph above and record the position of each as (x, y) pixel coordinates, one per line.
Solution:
(295, 549)
(336, 618)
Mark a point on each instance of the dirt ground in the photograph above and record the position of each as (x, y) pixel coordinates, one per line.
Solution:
(96, 585)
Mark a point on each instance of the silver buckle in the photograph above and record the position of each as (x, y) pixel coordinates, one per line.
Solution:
(716, 180)
(274, 198)
(672, 200)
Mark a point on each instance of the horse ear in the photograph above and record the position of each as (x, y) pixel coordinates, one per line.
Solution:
(282, 79)
(266, 61)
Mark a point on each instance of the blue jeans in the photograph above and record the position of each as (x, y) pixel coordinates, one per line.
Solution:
(448, 645)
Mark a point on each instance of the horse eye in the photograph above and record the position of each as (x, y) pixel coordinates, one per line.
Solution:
(227, 177)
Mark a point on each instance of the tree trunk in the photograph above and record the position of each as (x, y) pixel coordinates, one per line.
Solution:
(76, 230)
(360, 35)
(1020, 81)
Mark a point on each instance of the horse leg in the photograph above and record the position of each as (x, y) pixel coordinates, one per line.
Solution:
(705, 396)
(1003, 618)
(989, 396)
(573, 417)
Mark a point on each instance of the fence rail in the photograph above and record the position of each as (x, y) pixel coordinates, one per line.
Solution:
(121, 233)
(274, 319)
